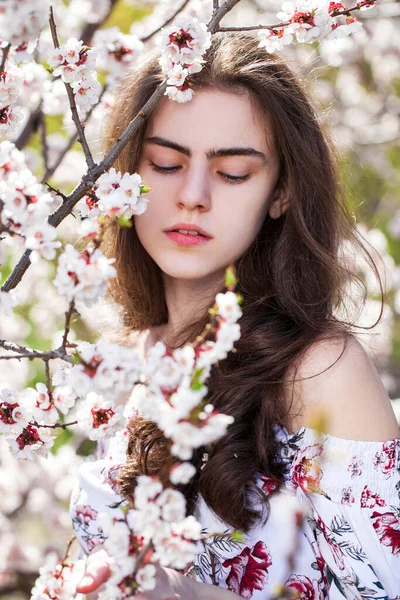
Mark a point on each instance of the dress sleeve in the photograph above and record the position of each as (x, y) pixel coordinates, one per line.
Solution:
(350, 493)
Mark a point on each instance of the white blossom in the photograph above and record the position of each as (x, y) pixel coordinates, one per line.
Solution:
(182, 473)
(86, 92)
(55, 582)
(8, 300)
(117, 52)
(83, 276)
(10, 117)
(40, 404)
(40, 237)
(11, 160)
(22, 21)
(106, 368)
(29, 442)
(99, 417)
(145, 577)
(147, 488)
(228, 307)
(120, 195)
(183, 45)
(64, 398)
(11, 82)
(13, 416)
(273, 40)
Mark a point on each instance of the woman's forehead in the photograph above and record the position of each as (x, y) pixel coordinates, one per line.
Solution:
(212, 119)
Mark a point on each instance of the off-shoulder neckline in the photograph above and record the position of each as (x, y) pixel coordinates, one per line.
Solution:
(327, 436)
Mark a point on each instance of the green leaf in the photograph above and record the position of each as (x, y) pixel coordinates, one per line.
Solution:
(124, 222)
(76, 359)
(196, 383)
(238, 536)
(230, 278)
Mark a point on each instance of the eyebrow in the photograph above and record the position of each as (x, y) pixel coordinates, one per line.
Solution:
(236, 151)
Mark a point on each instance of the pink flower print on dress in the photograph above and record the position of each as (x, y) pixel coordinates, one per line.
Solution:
(369, 500)
(306, 469)
(249, 570)
(347, 496)
(387, 527)
(386, 460)
(86, 513)
(93, 542)
(354, 467)
(269, 484)
(335, 548)
(301, 587)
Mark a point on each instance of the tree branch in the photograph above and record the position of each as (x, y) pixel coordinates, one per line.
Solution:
(23, 352)
(93, 174)
(167, 22)
(68, 317)
(33, 123)
(71, 97)
(55, 425)
(43, 138)
(6, 50)
(51, 170)
(219, 14)
(255, 27)
(335, 13)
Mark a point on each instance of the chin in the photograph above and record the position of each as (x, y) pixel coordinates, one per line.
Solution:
(185, 269)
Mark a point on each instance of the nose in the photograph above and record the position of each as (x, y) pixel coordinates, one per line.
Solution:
(194, 191)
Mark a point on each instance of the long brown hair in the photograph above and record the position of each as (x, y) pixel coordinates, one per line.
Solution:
(292, 278)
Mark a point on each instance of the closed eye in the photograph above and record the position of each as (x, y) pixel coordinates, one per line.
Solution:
(232, 179)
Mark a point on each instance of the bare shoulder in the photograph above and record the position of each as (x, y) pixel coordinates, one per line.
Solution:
(336, 383)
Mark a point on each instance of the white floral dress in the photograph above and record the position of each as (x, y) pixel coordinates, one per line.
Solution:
(345, 494)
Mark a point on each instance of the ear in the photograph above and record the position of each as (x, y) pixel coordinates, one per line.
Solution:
(280, 203)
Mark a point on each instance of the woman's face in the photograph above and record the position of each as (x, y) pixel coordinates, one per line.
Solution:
(211, 164)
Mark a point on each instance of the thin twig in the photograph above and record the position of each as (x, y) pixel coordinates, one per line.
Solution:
(24, 352)
(13, 347)
(215, 5)
(47, 376)
(68, 549)
(56, 191)
(54, 425)
(51, 170)
(68, 316)
(6, 50)
(167, 22)
(213, 24)
(43, 138)
(335, 13)
(93, 174)
(255, 27)
(71, 97)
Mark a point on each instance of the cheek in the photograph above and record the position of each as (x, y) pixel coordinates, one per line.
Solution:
(246, 212)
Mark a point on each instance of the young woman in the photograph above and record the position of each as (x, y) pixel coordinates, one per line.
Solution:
(245, 164)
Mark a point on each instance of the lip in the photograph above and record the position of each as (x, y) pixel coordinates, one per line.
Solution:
(185, 239)
(188, 227)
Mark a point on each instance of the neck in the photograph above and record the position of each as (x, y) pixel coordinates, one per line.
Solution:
(187, 300)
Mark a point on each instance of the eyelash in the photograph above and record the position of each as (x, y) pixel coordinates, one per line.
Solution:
(171, 170)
